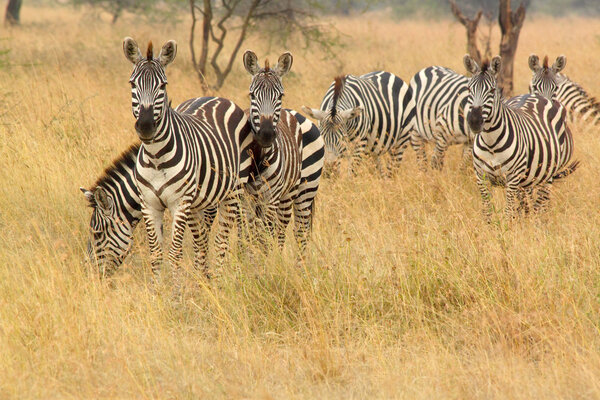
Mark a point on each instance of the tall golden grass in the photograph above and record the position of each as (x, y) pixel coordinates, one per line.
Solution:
(406, 292)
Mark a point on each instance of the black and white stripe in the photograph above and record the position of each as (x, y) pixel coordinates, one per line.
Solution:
(550, 83)
(521, 144)
(440, 97)
(116, 203)
(190, 161)
(372, 113)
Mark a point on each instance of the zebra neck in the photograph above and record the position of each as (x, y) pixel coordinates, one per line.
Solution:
(496, 125)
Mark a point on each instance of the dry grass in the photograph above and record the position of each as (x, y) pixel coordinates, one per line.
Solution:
(406, 293)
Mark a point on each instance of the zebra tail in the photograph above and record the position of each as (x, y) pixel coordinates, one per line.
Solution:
(568, 170)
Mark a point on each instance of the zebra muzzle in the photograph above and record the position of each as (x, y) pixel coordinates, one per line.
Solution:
(475, 119)
(144, 125)
(266, 133)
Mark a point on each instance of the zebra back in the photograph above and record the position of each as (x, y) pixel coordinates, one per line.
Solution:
(385, 120)
(440, 97)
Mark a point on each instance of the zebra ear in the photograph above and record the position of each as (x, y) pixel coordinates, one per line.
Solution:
(495, 65)
(131, 50)
(284, 64)
(352, 113)
(102, 199)
(534, 63)
(559, 64)
(251, 62)
(470, 64)
(168, 53)
(314, 113)
(88, 195)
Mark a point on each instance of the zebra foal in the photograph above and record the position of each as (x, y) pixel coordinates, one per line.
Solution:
(521, 144)
(189, 162)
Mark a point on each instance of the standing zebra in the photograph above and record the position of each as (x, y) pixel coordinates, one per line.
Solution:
(372, 112)
(521, 145)
(117, 208)
(550, 83)
(285, 174)
(440, 97)
(188, 162)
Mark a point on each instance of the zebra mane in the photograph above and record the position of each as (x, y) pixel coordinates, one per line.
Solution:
(149, 52)
(338, 87)
(546, 62)
(267, 67)
(485, 64)
(123, 161)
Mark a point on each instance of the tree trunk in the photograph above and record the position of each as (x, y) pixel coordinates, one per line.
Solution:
(510, 26)
(471, 26)
(13, 10)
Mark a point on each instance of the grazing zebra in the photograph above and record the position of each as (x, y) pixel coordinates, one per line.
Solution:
(117, 208)
(440, 97)
(550, 83)
(285, 175)
(190, 160)
(521, 144)
(372, 112)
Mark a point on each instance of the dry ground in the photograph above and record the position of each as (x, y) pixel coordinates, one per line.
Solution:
(406, 292)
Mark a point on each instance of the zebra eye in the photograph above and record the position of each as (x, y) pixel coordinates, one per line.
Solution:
(163, 86)
(132, 85)
(252, 97)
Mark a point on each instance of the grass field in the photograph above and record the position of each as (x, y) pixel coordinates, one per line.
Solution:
(406, 292)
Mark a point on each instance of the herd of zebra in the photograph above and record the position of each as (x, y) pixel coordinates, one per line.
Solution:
(209, 159)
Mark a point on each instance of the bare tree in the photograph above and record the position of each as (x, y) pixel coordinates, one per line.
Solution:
(13, 12)
(510, 26)
(280, 18)
(470, 25)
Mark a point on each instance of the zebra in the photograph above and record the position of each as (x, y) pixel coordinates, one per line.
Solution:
(372, 113)
(117, 208)
(191, 159)
(520, 144)
(286, 174)
(440, 97)
(550, 83)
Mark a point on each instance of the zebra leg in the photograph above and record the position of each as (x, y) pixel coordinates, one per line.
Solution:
(512, 195)
(357, 155)
(542, 198)
(180, 220)
(284, 214)
(397, 152)
(383, 166)
(303, 214)
(200, 224)
(227, 216)
(523, 203)
(418, 145)
(441, 146)
(467, 155)
(486, 197)
(154, 230)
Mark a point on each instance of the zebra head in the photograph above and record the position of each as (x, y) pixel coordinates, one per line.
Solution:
(148, 85)
(545, 79)
(483, 95)
(266, 92)
(337, 122)
(110, 237)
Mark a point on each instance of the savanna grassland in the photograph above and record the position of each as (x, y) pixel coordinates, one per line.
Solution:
(406, 292)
